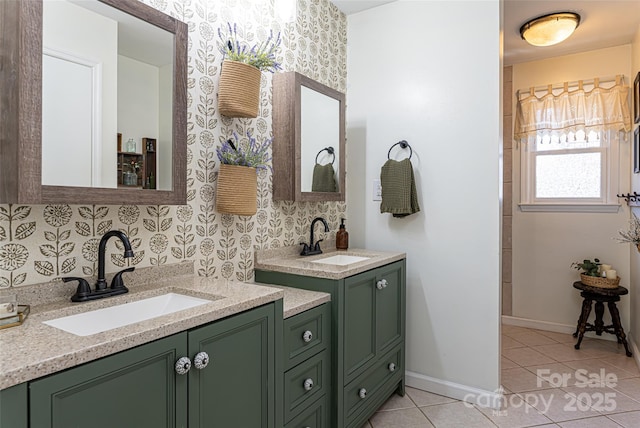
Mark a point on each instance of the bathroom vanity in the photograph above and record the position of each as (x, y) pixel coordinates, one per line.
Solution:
(227, 362)
(368, 299)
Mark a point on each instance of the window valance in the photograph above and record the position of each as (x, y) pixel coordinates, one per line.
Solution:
(571, 111)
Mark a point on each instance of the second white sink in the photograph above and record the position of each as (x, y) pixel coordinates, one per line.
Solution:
(340, 260)
(99, 320)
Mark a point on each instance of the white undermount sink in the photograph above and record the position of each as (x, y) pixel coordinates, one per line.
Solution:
(99, 320)
(340, 260)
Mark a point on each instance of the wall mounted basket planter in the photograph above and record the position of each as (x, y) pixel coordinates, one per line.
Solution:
(239, 89)
(236, 192)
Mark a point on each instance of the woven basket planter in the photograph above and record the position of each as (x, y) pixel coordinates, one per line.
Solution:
(236, 192)
(595, 281)
(239, 89)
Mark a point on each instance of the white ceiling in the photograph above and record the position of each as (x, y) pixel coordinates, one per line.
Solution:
(604, 23)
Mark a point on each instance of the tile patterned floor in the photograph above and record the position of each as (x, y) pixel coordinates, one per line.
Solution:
(546, 382)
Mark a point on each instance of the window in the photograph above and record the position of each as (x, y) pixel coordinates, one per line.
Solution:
(569, 150)
(570, 172)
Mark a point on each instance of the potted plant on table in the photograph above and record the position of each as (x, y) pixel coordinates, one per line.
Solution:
(593, 276)
(237, 178)
(242, 66)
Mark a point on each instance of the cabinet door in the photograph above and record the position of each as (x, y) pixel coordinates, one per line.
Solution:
(359, 323)
(135, 388)
(237, 388)
(389, 307)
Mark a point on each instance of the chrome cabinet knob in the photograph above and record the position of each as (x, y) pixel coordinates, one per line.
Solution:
(307, 336)
(308, 384)
(183, 365)
(362, 393)
(392, 367)
(382, 284)
(201, 360)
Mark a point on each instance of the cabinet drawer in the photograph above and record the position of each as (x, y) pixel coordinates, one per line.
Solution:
(316, 416)
(305, 383)
(306, 334)
(366, 388)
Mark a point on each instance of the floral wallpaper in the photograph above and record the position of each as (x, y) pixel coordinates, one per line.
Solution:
(41, 242)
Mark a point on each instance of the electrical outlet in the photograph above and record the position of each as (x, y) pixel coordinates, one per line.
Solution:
(377, 190)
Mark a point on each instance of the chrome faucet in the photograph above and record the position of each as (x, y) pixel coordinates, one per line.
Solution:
(84, 292)
(312, 249)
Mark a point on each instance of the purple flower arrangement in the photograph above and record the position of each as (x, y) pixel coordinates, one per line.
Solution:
(261, 55)
(245, 153)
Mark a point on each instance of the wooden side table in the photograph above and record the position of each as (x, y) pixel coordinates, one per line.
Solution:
(600, 295)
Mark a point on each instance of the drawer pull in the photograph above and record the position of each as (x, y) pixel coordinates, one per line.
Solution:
(362, 393)
(308, 384)
(307, 336)
(381, 284)
(183, 365)
(201, 360)
(392, 367)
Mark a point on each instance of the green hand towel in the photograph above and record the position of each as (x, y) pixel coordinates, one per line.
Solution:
(399, 195)
(323, 178)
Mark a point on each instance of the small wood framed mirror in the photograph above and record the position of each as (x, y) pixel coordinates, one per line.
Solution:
(308, 140)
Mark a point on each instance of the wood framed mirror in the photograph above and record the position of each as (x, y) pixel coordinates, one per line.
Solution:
(309, 140)
(28, 105)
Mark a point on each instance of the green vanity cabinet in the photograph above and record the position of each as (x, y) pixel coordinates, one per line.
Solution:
(141, 388)
(367, 337)
(307, 368)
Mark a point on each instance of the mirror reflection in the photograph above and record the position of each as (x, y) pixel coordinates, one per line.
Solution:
(106, 98)
(320, 132)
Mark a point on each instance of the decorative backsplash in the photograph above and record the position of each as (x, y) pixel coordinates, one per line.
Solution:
(41, 242)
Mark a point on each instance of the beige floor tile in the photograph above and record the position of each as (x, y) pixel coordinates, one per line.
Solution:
(515, 413)
(597, 422)
(506, 363)
(600, 348)
(456, 415)
(396, 402)
(595, 365)
(627, 420)
(532, 338)
(625, 363)
(630, 387)
(406, 418)
(604, 399)
(509, 330)
(510, 343)
(558, 337)
(423, 398)
(521, 380)
(527, 356)
(558, 405)
(566, 352)
(554, 373)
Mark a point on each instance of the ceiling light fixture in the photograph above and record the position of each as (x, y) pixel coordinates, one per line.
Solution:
(550, 29)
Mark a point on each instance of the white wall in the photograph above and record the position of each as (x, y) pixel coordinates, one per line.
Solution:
(635, 185)
(412, 74)
(138, 100)
(75, 30)
(545, 244)
(165, 137)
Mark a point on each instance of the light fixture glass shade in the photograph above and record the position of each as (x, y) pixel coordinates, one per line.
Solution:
(550, 29)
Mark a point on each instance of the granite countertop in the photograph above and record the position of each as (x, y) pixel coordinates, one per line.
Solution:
(289, 260)
(35, 349)
(297, 300)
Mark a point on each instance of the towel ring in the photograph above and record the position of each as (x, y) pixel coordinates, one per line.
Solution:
(403, 144)
(331, 152)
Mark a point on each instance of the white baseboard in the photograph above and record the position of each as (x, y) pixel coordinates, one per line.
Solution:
(538, 325)
(551, 326)
(634, 349)
(480, 397)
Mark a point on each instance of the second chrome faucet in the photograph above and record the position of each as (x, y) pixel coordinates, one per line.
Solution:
(311, 248)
